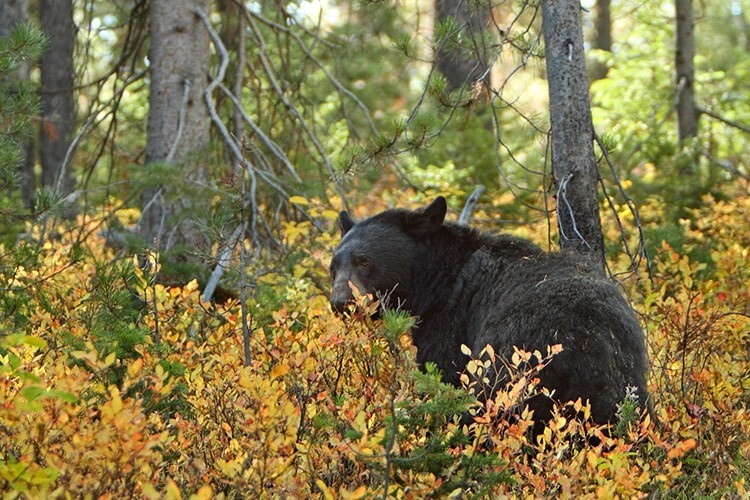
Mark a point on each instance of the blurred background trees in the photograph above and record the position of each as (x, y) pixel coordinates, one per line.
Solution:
(216, 120)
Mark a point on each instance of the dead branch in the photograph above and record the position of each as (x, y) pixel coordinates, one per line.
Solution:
(471, 203)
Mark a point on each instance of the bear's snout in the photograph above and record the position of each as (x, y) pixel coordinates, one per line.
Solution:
(341, 296)
(339, 305)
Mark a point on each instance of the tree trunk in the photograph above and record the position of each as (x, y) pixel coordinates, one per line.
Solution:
(687, 115)
(465, 63)
(13, 12)
(178, 120)
(58, 103)
(573, 161)
(603, 39)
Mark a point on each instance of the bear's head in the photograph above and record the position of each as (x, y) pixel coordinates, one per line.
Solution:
(376, 256)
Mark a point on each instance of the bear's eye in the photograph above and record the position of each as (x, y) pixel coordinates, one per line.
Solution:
(362, 262)
(334, 264)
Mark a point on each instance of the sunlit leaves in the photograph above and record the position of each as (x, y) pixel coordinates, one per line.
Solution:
(333, 406)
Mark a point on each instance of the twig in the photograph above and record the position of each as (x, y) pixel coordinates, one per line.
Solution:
(724, 120)
(725, 165)
(92, 121)
(471, 203)
(642, 253)
(267, 67)
(562, 194)
(180, 120)
(222, 263)
(228, 139)
(320, 66)
(275, 149)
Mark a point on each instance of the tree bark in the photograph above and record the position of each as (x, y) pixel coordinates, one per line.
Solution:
(13, 12)
(178, 120)
(58, 103)
(687, 114)
(603, 39)
(573, 162)
(459, 65)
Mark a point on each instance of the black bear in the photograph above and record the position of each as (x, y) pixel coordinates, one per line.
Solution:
(472, 288)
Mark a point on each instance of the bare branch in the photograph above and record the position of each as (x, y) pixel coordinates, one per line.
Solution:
(222, 263)
(731, 123)
(641, 253)
(271, 74)
(180, 121)
(471, 203)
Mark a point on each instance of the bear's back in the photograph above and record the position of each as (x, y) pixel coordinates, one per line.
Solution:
(510, 294)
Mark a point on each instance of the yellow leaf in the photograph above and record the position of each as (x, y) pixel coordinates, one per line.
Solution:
(229, 469)
(279, 371)
(298, 200)
(116, 400)
(148, 491)
(110, 359)
(490, 351)
(324, 489)
(173, 492)
(203, 493)
(359, 493)
(135, 367)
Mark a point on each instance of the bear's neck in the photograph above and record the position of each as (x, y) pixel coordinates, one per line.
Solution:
(450, 274)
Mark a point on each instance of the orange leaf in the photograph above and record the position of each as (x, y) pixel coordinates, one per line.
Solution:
(682, 448)
(279, 371)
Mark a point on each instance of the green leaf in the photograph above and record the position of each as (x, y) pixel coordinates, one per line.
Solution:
(31, 392)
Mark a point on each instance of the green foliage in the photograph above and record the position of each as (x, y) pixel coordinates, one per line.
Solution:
(629, 413)
(25, 43)
(634, 104)
(19, 102)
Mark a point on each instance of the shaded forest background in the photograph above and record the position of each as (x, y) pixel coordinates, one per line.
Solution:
(171, 174)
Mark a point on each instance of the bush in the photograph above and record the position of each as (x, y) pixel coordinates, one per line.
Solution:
(116, 385)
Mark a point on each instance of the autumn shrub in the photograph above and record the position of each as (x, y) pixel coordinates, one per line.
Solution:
(112, 385)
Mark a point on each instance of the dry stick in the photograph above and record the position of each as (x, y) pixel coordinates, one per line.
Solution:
(212, 107)
(180, 121)
(725, 165)
(243, 304)
(91, 122)
(234, 147)
(275, 149)
(562, 194)
(293, 110)
(231, 142)
(332, 79)
(220, 267)
(471, 203)
(642, 252)
(320, 66)
(159, 194)
(222, 263)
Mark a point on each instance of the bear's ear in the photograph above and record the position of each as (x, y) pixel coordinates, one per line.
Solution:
(345, 222)
(432, 216)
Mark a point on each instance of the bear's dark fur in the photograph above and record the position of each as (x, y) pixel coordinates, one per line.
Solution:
(472, 288)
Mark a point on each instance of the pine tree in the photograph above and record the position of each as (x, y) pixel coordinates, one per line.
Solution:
(19, 101)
